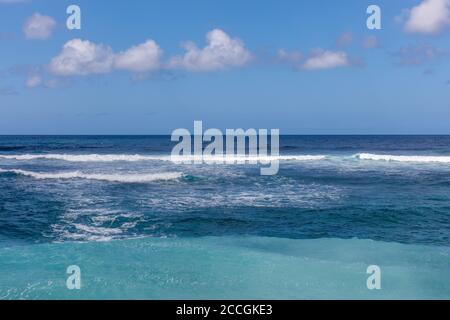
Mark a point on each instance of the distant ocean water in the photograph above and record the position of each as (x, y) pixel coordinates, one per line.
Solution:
(141, 226)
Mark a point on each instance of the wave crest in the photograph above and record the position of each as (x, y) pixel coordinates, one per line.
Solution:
(85, 157)
(124, 178)
(394, 158)
(137, 158)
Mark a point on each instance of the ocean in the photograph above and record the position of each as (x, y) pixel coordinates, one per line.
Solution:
(140, 226)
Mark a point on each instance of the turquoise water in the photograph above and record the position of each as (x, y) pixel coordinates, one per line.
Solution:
(143, 227)
(224, 267)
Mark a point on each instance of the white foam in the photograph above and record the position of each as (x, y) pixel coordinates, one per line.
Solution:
(230, 159)
(394, 158)
(98, 230)
(86, 157)
(126, 178)
(181, 159)
(302, 158)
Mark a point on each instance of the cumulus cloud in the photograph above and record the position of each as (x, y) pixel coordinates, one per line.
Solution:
(429, 17)
(319, 59)
(326, 59)
(221, 52)
(39, 27)
(141, 58)
(82, 57)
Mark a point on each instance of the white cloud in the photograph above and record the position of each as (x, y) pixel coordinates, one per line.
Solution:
(39, 27)
(325, 59)
(429, 17)
(82, 57)
(319, 59)
(221, 52)
(141, 58)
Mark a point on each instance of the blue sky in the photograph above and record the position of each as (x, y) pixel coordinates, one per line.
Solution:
(305, 67)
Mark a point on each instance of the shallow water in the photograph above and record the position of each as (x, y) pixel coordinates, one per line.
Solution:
(224, 267)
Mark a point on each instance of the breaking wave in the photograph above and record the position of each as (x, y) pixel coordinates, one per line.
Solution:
(394, 158)
(85, 157)
(226, 159)
(137, 157)
(125, 178)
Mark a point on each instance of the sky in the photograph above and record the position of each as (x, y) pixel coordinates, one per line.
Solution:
(150, 66)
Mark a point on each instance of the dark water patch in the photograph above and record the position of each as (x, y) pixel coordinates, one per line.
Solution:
(11, 148)
(289, 148)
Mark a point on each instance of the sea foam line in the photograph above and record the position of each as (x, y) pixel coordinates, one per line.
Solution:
(125, 178)
(216, 158)
(394, 158)
(85, 157)
(137, 157)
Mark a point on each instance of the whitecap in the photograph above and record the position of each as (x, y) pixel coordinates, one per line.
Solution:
(397, 158)
(177, 159)
(125, 178)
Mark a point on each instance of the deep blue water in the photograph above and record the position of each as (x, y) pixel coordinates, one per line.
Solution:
(66, 191)
(340, 196)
